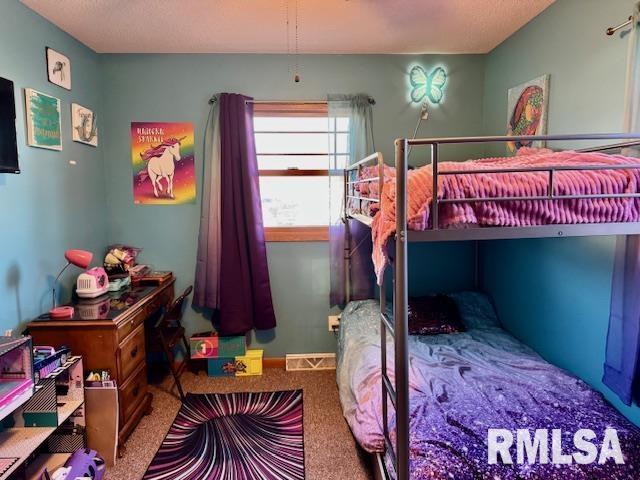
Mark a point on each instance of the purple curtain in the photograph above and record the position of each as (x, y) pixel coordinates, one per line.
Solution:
(622, 364)
(244, 289)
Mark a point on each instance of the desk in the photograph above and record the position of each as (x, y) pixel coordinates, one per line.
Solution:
(108, 332)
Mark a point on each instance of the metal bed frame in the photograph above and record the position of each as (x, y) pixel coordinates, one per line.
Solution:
(398, 326)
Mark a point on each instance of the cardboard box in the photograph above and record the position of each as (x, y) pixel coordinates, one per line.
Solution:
(221, 367)
(101, 408)
(212, 345)
(203, 345)
(250, 363)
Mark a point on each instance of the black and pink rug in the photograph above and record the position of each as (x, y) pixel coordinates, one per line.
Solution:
(235, 436)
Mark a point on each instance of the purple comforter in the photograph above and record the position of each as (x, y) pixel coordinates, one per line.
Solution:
(464, 384)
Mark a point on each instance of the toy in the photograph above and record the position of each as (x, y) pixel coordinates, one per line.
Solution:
(55, 390)
(120, 258)
(85, 464)
(46, 359)
(92, 283)
(16, 373)
(116, 284)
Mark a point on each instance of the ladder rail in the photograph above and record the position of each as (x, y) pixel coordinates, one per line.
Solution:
(401, 307)
(398, 328)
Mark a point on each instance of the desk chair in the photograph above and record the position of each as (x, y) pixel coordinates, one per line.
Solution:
(169, 331)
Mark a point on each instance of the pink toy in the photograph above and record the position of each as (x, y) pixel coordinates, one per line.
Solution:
(92, 283)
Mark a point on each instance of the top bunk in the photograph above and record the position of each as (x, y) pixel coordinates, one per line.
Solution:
(538, 193)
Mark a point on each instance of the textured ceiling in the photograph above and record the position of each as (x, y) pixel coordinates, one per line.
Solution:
(258, 26)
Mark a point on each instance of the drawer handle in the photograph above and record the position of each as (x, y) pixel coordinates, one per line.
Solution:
(134, 352)
(136, 390)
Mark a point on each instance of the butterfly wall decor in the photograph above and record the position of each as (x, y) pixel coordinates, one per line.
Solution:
(427, 86)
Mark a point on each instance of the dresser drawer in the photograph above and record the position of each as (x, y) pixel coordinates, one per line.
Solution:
(131, 323)
(131, 353)
(132, 392)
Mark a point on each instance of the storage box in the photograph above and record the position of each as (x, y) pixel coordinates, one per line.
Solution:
(212, 345)
(250, 363)
(221, 367)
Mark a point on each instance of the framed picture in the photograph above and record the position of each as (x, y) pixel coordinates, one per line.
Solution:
(43, 120)
(527, 111)
(162, 156)
(58, 69)
(84, 127)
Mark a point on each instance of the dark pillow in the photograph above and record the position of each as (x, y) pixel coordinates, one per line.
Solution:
(434, 314)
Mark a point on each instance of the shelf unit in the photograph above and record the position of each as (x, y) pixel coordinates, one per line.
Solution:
(21, 442)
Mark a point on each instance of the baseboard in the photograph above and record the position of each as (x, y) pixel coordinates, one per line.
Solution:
(276, 362)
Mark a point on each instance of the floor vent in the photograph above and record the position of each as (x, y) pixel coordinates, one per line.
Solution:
(311, 361)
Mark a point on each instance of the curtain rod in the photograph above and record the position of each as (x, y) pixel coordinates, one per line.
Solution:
(612, 30)
(214, 99)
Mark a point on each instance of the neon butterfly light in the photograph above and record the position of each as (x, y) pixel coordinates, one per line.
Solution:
(427, 86)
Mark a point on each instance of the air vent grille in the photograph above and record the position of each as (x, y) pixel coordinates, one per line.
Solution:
(311, 361)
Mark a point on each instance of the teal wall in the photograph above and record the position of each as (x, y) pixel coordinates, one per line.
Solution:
(52, 205)
(177, 87)
(554, 293)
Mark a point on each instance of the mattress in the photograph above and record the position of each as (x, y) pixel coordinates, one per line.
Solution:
(513, 184)
(463, 384)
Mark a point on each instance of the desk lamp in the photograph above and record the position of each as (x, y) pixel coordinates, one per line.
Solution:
(79, 258)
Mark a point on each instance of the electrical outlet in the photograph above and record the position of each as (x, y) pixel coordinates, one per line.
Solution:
(334, 322)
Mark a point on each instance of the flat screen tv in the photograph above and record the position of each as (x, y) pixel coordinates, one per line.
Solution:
(8, 145)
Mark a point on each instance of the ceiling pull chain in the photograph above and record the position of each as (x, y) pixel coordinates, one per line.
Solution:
(286, 8)
(296, 77)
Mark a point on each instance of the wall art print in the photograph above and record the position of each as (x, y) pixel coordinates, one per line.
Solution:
(162, 155)
(527, 111)
(58, 68)
(84, 126)
(43, 120)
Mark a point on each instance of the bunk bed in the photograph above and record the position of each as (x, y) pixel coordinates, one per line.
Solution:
(544, 194)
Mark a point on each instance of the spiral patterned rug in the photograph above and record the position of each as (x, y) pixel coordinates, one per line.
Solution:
(235, 436)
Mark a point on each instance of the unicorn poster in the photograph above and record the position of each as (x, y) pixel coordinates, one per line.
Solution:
(163, 163)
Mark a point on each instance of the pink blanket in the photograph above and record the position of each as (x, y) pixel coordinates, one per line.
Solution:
(512, 213)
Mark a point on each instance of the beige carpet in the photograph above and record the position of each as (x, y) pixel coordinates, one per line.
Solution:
(330, 450)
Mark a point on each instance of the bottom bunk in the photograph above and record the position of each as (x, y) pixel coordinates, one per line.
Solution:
(464, 384)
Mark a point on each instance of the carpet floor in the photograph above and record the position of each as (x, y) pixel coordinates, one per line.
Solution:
(330, 450)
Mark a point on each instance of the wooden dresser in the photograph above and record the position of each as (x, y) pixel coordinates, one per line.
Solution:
(109, 333)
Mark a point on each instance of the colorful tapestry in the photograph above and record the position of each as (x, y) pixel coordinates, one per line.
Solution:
(162, 155)
(234, 436)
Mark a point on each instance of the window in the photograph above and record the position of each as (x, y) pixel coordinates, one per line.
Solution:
(298, 147)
